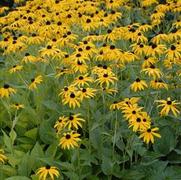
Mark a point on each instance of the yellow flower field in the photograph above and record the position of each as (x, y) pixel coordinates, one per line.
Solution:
(90, 89)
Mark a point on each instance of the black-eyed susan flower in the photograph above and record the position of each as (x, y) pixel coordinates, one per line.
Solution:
(110, 91)
(72, 99)
(17, 106)
(155, 49)
(47, 172)
(83, 80)
(132, 112)
(60, 123)
(6, 91)
(127, 102)
(167, 106)
(74, 121)
(152, 71)
(139, 123)
(35, 81)
(29, 58)
(105, 79)
(148, 134)
(3, 157)
(66, 91)
(115, 105)
(138, 85)
(69, 140)
(15, 68)
(158, 84)
(87, 93)
(174, 52)
(79, 66)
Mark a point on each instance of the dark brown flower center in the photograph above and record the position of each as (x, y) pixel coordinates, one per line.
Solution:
(47, 167)
(138, 80)
(173, 47)
(67, 136)
(72, 95)
(6, 86)
(81, 77)
(84, 90)
(138, 120)
(105, 75)
(169, 102)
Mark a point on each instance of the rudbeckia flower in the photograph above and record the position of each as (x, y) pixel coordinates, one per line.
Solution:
(17, 106)
(148, 134)
(60, 124)
(174, 52)
(3, 158)
(87, 93)
(73, 99)
(105, 79)
(158, 84)
(82, 80)
(69, 140)
(167, 106)
(152, 71)
(35, 81)
(74, 121)
(138, 85)
(132, 112)
(6, 91)
(15, 68)
(139, 123)
(47, 171)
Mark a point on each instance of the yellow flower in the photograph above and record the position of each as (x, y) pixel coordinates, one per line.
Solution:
(17, 106)
(158, 84)
(128, 102)
(115, 105)
(6, 91)
(152, 71)
(35, 81)
(87, 93)
(132, 112)
(72, 98)
(174, 52)
(139, 123)
(148, 134)
(82, 80)
(3, 158)
(106, 79)
(60, 124)
(47, 171)
(138, 85)
(168, 105)
(74, 121)
(69, 140)
(15, 68)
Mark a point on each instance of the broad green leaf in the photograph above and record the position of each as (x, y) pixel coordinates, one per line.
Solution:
(167, 142)
(18, 178)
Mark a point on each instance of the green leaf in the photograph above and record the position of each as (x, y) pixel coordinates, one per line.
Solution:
(167, 142)
(107, 166)
(26, 164)
(7, 142)
(18, 178)
(32, 133)
(47, 133)
(8, 170)
(13, 136)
